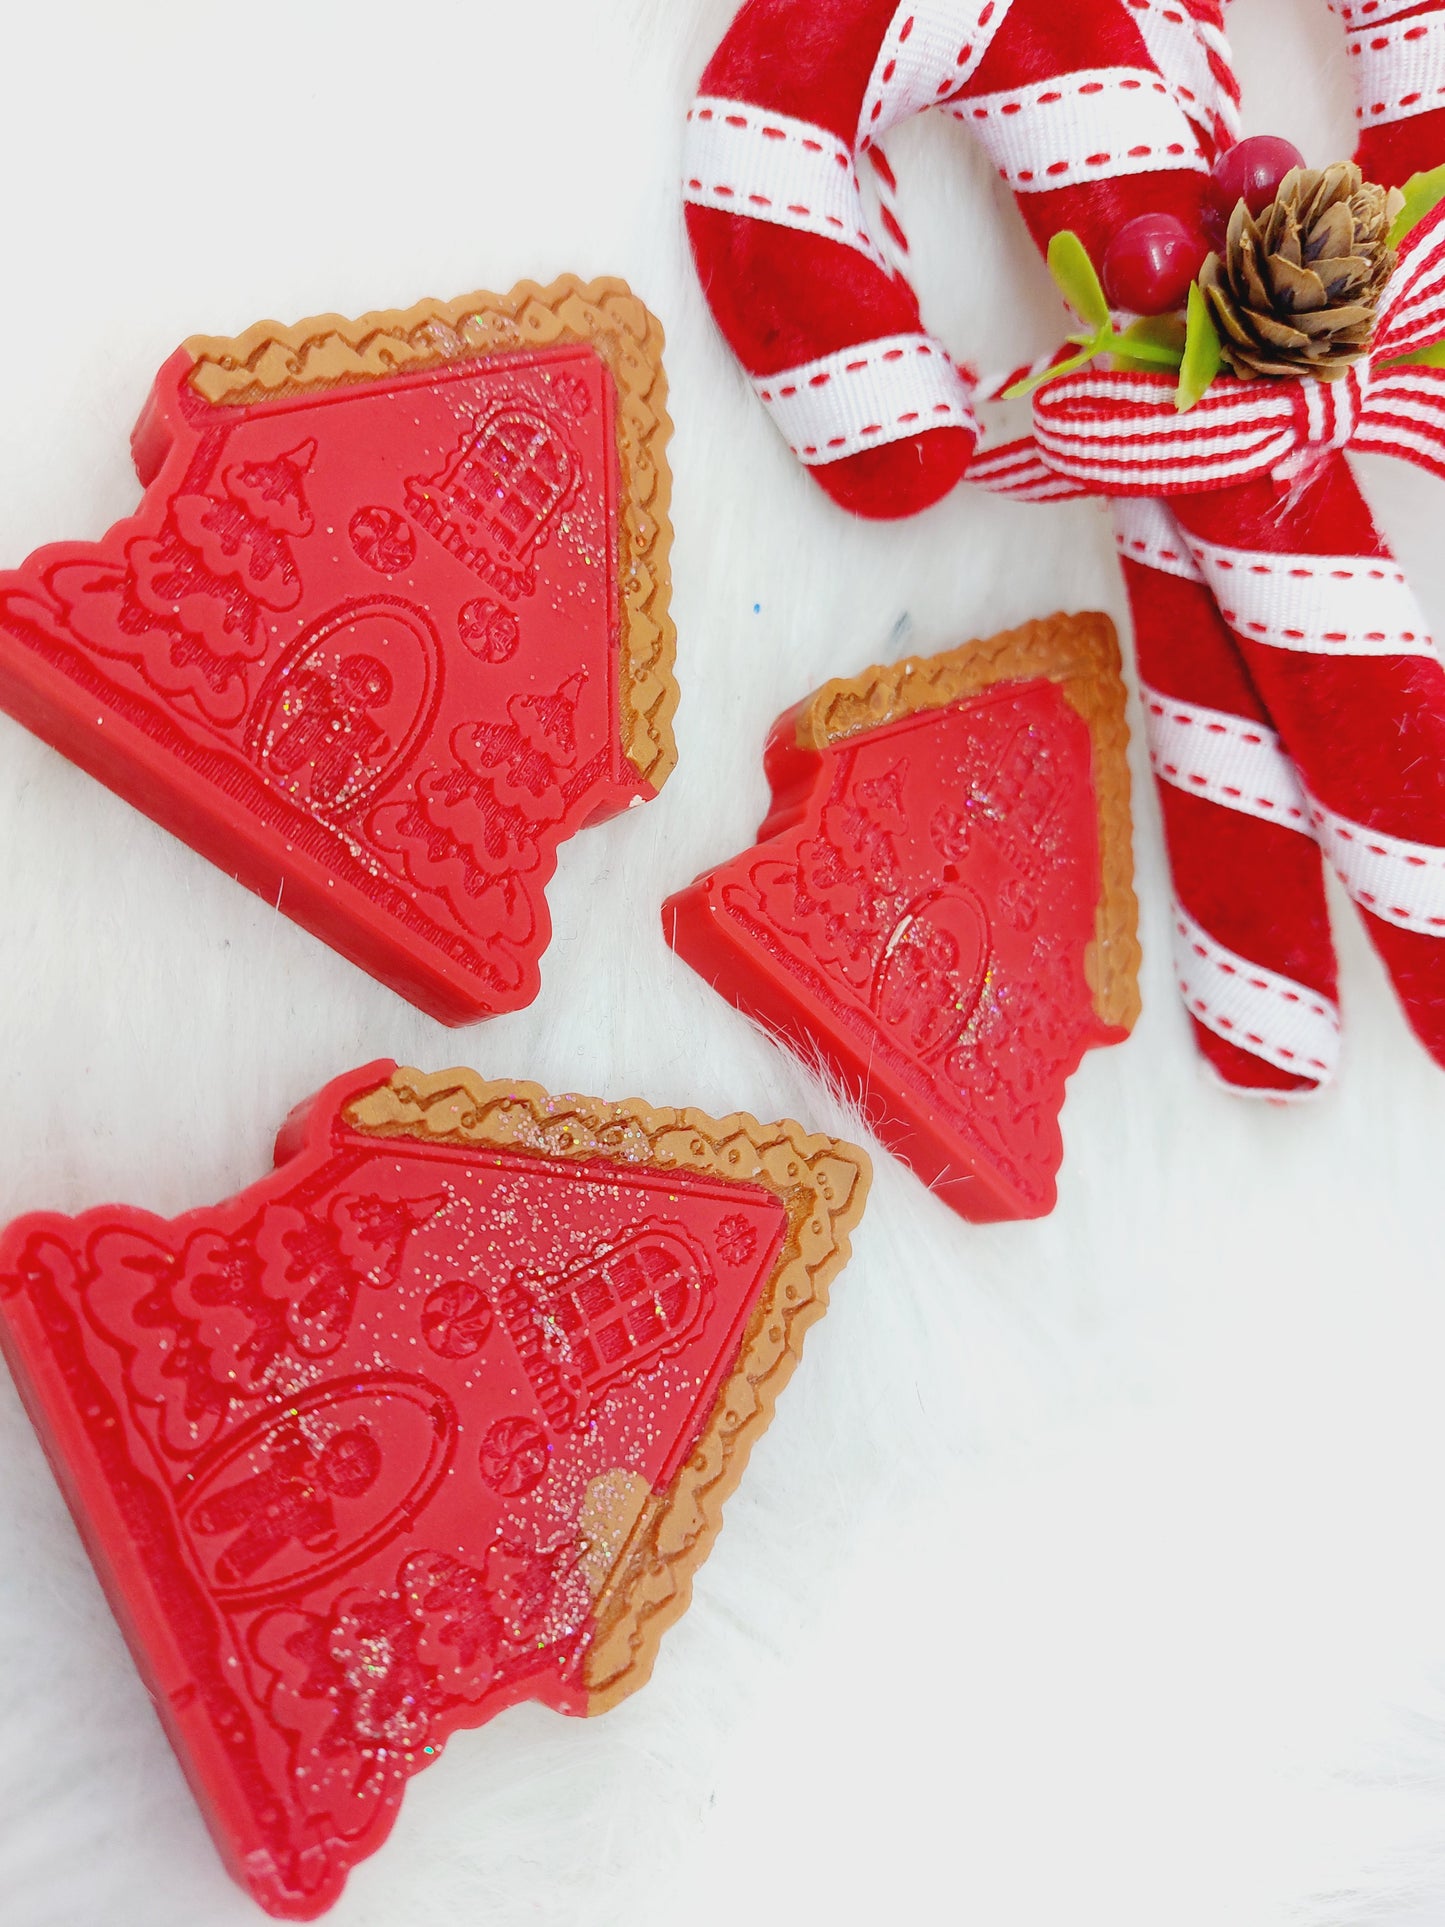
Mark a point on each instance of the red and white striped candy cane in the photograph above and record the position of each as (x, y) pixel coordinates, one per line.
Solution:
(1226, 754)
(1068, 101)
(1250, 924)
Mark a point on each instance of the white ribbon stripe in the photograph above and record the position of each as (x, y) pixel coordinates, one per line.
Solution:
(880, 211)
(744, 160)
(1327, 605)
(863, 397)
(1400, 69)
(1358, 14)
(931, 49)
(1287, 1024)
(1177, 48)
(1399, 881)
(1145, 532)
(1094, 125)
(1226, 759)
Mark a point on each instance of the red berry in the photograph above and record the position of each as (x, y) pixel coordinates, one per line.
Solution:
(1151, 262)
(1252, 171)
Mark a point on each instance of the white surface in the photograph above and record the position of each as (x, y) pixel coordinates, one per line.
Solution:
(1092, 1574)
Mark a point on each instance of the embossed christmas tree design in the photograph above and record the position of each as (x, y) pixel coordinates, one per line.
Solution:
(389, 624)
(437, 1418)
(939, 905)
(478, 832)
(189, 604)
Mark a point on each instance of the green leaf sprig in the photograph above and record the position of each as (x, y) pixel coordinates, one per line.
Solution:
(1203, 352)
(1156, 344)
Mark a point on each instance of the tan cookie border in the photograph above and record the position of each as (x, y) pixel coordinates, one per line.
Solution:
(1081, 654)
(329, 351)
(824, 1183)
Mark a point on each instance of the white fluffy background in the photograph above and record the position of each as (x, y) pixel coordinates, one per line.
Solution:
(1093, 1571)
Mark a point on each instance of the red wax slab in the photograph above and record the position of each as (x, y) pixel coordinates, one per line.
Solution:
(389, 624)
(940, 904)
(438, 1417)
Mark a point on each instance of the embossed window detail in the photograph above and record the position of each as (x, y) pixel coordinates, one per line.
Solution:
(509, 480)
(627, 1310)
(606, 1320)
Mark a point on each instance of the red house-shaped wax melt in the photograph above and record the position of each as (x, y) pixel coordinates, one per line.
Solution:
(437, 1418)
(389, 624)
(940, 905)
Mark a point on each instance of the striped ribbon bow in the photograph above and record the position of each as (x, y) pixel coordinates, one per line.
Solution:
(1121, 435)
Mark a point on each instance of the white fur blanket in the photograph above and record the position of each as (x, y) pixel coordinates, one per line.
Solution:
(1093, 1570)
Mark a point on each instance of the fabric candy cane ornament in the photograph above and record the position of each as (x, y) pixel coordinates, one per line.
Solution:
(1068, 102)
(1294, 699)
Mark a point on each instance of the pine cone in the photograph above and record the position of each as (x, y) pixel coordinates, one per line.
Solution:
(1299, 285)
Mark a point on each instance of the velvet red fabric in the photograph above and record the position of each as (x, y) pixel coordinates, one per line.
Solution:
(783, 298)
